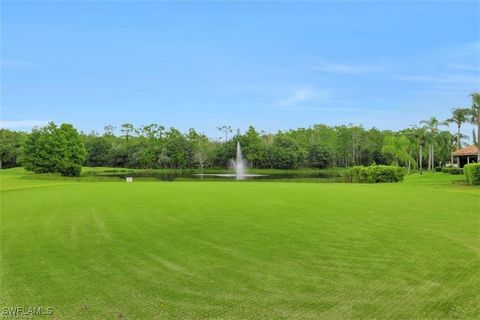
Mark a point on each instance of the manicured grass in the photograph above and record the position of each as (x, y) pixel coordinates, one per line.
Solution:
(272, 250)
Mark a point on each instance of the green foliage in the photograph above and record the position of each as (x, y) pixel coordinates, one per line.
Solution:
(54, 149)
(10, 147)
(475, 118)
(401, 149)
(99, 151)
(374, 174)
(127, 130)
(176, 150)
(459, 117)
(319, 156)
(472, 173)
(203, 151)
(73, 147)
(320, 146)
(71, 170)
(356, 174)
(286, 153)
(452, 170)
(385, 174)
(253, 147)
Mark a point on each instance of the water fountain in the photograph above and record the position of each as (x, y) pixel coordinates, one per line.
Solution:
(239, 165)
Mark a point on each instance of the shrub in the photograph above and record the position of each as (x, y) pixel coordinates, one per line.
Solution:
(374, 174)
(53, 149)
(452, 170)
(71, 171)
(385, 174)
(472, 173)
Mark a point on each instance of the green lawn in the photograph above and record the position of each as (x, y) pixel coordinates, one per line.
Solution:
(271, 250)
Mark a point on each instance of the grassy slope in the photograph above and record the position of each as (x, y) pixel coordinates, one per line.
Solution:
(241, 250)
(16, 178)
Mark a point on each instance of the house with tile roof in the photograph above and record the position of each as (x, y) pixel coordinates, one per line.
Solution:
(466, 155)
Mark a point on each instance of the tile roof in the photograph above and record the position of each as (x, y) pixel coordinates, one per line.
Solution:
(467, 151)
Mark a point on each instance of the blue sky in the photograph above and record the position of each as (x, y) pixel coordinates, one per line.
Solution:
(275, 65)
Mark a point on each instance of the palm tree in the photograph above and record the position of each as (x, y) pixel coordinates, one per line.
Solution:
(419, 134)
(475, 118)
(226, 130)
(459, 117)
(452, 149)
(431, 125)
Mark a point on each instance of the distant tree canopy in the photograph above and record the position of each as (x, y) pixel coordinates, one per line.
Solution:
(63, 150)
(54, 149)
(11, 143)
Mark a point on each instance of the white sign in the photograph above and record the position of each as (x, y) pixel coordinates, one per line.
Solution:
(129, 179)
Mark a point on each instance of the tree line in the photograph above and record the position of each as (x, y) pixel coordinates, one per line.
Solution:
(62, 149)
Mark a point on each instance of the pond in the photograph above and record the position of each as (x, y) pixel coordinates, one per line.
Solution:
(313, 175)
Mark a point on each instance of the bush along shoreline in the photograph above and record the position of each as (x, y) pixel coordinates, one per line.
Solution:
(452, 170)
(472, 173)
(374, 174)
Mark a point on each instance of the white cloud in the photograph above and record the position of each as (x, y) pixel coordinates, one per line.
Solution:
(342, 68)
(447, 79)
(469, 49)
(21, 124)
(299, 97)
(464, 67)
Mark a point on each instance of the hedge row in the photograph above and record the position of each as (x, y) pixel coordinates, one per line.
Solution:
(452, 170)
(472, 173)
(374, 174)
